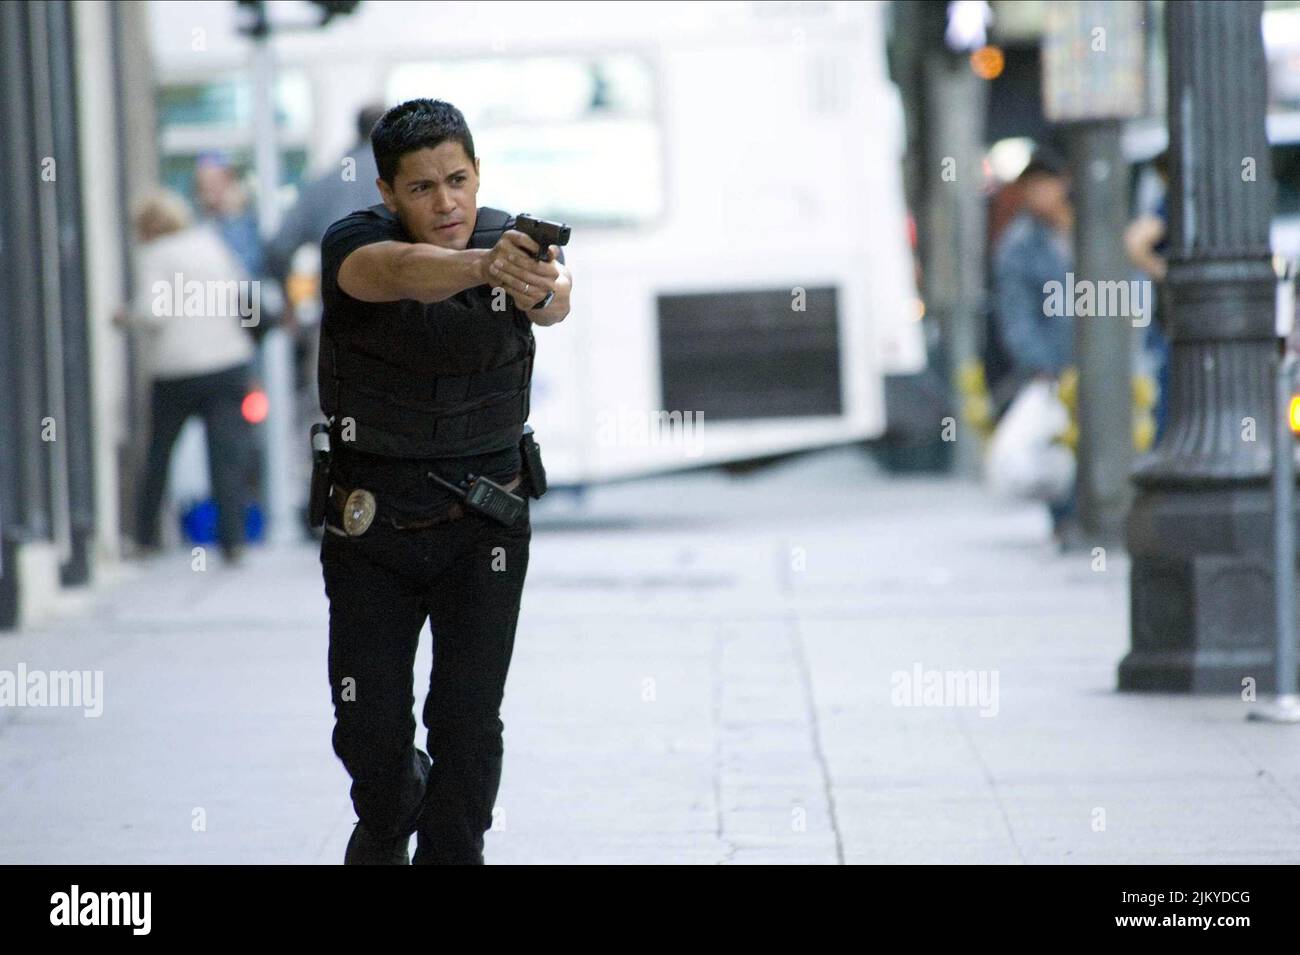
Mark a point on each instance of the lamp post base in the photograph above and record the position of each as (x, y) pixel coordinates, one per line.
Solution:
(1201, 591)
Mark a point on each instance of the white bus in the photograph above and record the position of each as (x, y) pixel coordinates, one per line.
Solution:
(731, 173)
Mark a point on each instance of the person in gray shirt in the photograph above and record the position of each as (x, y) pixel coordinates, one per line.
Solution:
(348, 186)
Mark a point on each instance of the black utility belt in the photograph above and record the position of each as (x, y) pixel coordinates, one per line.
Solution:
(479, 494)
(359, 507)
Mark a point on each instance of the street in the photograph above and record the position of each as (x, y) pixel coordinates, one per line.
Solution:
(698, 677)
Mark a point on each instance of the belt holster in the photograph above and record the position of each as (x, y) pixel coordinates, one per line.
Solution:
(320, 475)
(530, 453)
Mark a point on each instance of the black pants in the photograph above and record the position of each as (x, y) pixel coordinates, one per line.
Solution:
(466, 577)
(216, 399)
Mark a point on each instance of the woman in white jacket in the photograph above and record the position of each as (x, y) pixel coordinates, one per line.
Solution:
(192, 298)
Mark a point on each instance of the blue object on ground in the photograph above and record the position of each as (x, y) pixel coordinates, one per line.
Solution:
(199, 522)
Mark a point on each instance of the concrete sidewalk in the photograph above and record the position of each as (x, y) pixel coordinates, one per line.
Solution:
(696, 679)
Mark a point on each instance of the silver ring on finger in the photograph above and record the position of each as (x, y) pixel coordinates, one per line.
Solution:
(525, 288)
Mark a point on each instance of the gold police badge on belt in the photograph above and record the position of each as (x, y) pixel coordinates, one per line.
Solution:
(358, 512)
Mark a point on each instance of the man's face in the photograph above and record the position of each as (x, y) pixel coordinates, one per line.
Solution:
(1047, 196)
(435, 195)
(211, 184)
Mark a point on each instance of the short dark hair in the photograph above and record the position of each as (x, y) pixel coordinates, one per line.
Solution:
(1044, 162)
(416, 124)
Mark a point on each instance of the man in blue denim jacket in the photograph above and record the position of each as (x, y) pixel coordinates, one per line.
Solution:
(1035, 250)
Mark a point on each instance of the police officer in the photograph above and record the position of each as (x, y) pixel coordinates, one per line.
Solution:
(424, 370)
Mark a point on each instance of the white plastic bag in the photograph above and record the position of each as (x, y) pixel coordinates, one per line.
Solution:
(1024, 458)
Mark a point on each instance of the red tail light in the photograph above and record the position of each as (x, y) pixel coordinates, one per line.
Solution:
(254, 406)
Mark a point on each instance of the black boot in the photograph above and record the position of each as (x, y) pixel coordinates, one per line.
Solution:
(365, 849)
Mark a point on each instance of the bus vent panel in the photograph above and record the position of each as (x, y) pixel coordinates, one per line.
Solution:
(751, 354)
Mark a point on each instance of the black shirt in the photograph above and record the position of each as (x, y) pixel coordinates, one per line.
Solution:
(451, 335)
(452, 331)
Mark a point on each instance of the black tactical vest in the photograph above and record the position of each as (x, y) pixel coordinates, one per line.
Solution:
(380, 407)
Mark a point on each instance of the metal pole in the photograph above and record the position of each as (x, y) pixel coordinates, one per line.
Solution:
(1286, 705)
(1102, 342)
(1199, 532)
(1284, 542)
(51, 315)
(277, 367)
(954, 276)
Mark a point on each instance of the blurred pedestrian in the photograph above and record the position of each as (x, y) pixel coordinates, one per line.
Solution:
(349, 185)
(1146, 241)
(1034, 250)
(223, 201)
(198, 357)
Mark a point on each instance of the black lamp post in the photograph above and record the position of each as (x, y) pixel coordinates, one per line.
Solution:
(1201, 528)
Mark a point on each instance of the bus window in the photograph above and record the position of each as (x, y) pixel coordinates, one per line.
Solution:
(573, 138)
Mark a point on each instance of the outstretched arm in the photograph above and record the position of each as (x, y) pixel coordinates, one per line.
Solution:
(389, 271)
